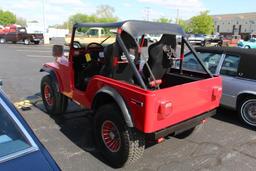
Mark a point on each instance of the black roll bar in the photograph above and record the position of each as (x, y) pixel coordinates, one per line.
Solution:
(197, 57)
(137, 74)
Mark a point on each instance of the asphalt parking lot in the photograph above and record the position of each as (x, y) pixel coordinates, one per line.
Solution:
(222, 144)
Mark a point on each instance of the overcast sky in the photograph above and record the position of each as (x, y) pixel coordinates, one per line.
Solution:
(57, 11)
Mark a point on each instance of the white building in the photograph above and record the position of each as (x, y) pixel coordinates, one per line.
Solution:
(242, 23)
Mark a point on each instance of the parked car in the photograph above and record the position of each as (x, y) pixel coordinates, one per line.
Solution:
(93, 34)
(237, 68)
(197, 39)
(131, 103)
(231, 40)
(20, 149)
(250, 44)
(16, 34)
(215, 40)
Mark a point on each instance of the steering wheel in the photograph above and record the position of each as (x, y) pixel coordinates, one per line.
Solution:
(77, 45)
(95, 44)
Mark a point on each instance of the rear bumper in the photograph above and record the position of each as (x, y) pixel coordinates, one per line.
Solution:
(182, 126)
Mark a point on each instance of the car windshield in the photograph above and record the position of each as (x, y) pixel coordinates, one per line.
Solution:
(87, 35)
(12, 138)
(199, 35)
(210, 60)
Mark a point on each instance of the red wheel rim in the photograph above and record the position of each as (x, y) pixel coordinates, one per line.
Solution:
(110, 136)
(48, 94)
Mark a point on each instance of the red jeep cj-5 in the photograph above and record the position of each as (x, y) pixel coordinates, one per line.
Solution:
(137, 89)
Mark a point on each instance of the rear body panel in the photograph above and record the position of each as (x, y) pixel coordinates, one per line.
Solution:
(186, 100)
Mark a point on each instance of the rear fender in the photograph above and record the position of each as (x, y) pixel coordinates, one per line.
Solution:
(54, 77)
(118, 100)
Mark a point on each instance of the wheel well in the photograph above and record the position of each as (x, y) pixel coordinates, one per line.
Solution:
(101, 99)
(242, 97)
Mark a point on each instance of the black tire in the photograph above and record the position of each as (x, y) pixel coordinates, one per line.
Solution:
(247, 47)
(26, 41)
(203, 43)
(246, 116)
(2, 40)
(189, 132)
(59, 102)
(36, 42)
(131, 143)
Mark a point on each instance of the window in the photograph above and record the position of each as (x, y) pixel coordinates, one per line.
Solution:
(191, 63)
(22, 30)
(92, 32)
(14, 140)
(230, 65)
(210, 60)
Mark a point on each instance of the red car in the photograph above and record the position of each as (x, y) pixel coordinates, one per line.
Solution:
(132, 86)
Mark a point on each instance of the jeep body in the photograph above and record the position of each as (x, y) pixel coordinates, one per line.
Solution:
(152, 103)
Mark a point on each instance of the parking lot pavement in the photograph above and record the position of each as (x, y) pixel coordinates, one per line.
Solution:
(222, 144)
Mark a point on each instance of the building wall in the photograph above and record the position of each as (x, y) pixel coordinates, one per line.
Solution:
(243, 24)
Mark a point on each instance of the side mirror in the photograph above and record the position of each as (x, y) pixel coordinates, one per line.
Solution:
(1, 83)
(57, 50)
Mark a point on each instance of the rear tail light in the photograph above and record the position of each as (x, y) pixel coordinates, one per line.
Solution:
(164, 110)
(216, 93)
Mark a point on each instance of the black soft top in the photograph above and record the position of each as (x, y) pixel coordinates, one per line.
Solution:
(247, 58)
(137, 28)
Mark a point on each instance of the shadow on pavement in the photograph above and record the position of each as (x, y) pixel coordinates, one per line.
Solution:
(230, 116)
(76, 124)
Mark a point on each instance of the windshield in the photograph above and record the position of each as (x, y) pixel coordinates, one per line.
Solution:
(210, 60)
(12, 138)
(85, 36)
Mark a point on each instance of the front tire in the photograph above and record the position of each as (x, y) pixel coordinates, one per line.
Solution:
(247, 111)
(247, 47)
(55, 103)
(26, 42)
(118, 144)
(2, 40)
(36, 42)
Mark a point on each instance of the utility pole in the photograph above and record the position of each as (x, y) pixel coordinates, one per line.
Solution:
(147, 12)
(43, 1)
(177, 19)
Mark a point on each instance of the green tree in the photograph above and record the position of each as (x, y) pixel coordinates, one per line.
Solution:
(164, 20)
(184, 25)
(7, 17)
(202, 24)
(84, 18)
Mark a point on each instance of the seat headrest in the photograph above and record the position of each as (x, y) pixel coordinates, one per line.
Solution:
(169, 40)
(108, 50)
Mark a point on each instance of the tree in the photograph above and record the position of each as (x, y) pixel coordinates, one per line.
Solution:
(21, 21)
(84, 18)
(184, 25)
(202, 24)
(7, 17)
(164, 20)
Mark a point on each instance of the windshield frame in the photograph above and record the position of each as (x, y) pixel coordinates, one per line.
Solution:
(33, 146)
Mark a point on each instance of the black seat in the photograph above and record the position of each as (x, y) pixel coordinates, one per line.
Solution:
(159, 57)
(106, 69)
(115, 66)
